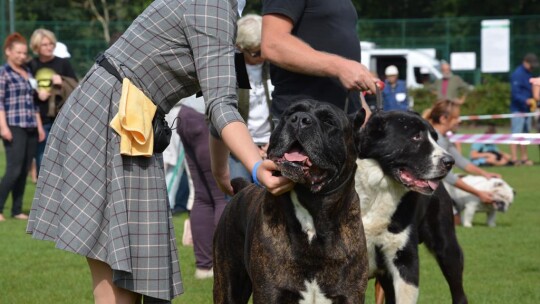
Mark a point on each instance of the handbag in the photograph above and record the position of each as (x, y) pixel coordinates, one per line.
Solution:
(162, 132)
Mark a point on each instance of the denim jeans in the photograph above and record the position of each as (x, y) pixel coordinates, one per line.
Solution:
(19, 154)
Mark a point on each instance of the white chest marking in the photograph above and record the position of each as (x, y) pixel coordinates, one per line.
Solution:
(303, 216)
(313, 294)
(379, 199)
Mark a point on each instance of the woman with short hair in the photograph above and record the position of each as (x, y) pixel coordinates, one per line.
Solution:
(51, 72)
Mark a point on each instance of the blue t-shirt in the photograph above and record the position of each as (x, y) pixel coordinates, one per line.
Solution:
(520, 90)
(395, 98)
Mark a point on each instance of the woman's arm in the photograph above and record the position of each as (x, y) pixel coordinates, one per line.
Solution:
(5, 132)
(236, 138)
(41, 131)
(484, 196)
(473, 169)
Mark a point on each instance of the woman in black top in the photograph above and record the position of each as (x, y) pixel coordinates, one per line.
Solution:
(49, 71)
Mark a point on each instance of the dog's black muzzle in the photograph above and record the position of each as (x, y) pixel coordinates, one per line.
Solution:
(301, 120)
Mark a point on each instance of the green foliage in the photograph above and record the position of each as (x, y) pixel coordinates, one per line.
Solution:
(423, 98)
(490, 97)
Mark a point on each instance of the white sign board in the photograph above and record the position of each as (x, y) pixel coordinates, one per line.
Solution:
(495, 46)
(463, 61)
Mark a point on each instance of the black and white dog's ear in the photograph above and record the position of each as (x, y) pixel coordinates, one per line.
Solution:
(373, 130)
(358, 119)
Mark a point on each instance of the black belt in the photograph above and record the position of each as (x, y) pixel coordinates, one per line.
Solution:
(104, 63)
(162, 131)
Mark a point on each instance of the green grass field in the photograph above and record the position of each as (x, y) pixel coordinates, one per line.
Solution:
(502, 264)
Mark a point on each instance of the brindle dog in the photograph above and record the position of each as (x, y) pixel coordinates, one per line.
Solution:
(307, 245)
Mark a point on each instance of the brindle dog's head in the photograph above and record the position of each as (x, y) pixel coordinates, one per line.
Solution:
(313, 144)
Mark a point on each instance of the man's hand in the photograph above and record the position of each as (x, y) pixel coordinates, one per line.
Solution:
(355, 76)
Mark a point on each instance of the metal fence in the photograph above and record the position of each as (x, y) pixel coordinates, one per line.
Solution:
(446, 35)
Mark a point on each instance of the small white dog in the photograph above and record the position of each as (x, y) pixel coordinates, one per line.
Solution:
(468, 204)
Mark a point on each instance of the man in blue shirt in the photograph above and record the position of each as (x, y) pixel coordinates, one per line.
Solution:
(395, 91)
(522, 102)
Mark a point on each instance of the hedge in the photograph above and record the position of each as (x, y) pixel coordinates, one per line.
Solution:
(490, 97)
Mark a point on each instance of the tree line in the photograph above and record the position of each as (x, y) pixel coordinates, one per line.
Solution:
(123, 10)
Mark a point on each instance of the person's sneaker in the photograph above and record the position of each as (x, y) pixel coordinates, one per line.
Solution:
(204, 273)
(21, 216)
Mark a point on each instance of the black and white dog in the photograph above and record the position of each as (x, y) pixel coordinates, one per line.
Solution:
(403, 203)
(307, 245)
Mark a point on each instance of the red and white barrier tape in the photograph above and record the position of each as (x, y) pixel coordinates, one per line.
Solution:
(497, 116)
(518, 138)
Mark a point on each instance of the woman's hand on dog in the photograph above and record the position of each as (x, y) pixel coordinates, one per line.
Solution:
(274, 184)
(489, 175)
(485, 197)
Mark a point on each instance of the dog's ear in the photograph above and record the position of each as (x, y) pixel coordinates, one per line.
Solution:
(373, 130)
(358, 119)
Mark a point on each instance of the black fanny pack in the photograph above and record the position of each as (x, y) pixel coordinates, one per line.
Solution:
(162, 131)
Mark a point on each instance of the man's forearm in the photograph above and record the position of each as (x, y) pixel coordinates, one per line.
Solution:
(290, 53)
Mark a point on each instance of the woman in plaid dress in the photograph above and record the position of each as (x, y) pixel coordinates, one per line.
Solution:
(112, 208)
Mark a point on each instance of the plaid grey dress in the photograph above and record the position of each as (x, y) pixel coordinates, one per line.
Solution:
(93, 201)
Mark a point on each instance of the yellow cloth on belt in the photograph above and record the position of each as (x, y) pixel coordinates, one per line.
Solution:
(133, 122)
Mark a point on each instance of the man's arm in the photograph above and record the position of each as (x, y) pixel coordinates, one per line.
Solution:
(536, 92)
(281, 48)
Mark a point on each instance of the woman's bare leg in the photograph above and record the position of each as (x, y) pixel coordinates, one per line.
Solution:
(105, 291)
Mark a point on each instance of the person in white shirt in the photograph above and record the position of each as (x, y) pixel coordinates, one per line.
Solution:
(254, 104)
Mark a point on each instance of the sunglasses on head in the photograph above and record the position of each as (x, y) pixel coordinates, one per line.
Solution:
(44, 83)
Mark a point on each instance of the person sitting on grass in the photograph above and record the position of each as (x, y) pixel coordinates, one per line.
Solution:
(483, 154)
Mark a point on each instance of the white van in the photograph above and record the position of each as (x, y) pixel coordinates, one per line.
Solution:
(416, 66)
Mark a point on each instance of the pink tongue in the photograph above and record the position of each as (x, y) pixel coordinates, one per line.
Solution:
(297, 157)
(417, 182)
(433, 184)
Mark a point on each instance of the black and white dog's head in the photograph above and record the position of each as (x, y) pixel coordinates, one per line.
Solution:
(405, 146)
(313, 144)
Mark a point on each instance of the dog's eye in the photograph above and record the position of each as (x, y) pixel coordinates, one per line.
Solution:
(417, 137)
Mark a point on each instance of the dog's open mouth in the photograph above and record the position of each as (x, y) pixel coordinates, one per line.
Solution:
(298, 167)
(424, 186)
